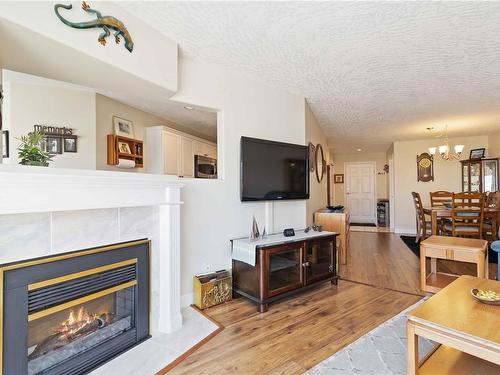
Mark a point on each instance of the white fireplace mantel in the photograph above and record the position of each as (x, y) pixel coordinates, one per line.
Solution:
(26, 190)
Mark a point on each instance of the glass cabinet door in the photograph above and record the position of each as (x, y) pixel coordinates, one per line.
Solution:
(465, 177)
(320, 260)
(475, 176)
(490, 175)
(285, 269)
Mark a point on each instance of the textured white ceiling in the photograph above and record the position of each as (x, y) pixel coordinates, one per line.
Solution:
(372, 72)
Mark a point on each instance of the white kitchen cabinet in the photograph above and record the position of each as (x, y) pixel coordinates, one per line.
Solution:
(205, 149)
(172, 152)
(172, 147)
(187, 157)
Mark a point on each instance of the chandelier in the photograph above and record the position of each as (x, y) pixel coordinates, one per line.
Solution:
(445, 149)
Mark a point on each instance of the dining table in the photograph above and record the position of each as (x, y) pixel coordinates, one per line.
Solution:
(439, 212)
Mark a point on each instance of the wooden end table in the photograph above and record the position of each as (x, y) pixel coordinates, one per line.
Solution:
(468, 250)
(466, 330)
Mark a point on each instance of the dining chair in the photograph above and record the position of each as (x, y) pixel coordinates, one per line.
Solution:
(492, 200)
(441, 198)
(467, 210)
(423, 226)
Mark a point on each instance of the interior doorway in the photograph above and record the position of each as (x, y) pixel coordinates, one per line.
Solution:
(360, 191)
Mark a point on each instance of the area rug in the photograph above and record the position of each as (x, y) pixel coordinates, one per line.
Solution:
(381, 351)
(415, 248)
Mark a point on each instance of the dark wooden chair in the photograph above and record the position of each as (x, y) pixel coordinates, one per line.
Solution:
(423, 226)
(467, 210)
(441, 198)
(490, 227)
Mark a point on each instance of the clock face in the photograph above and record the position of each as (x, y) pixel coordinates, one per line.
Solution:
(425, 163)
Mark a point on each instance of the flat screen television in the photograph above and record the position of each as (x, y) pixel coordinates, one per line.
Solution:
(273, 170)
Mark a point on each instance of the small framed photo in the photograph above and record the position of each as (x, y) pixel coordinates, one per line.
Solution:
(338, 178)
(477, 153)
(124, 128)
(124, 148)
(69, 144)
(54, 145)
(5, 143)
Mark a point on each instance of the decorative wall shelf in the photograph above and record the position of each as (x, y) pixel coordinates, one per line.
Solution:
(135, 146)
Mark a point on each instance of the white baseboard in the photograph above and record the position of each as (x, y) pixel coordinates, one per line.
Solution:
(410, 232)
(187, 299)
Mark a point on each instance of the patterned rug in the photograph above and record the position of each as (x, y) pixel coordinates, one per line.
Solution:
(381, 351)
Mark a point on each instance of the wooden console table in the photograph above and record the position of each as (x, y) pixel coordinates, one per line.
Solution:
(285, 267)
(451, 248)
(336, 222)
(466, 330)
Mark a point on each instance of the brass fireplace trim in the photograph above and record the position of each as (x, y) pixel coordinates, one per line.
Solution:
(77, 275)
(78, 301)
(49, 260)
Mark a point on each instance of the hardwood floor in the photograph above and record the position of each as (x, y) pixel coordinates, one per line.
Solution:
(295, 334)
(383, 260)
(299, 332)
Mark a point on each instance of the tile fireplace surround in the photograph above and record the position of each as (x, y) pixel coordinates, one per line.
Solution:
(45, 211)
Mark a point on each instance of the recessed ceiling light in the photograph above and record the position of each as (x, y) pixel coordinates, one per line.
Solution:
(188, 107)
(359, 150)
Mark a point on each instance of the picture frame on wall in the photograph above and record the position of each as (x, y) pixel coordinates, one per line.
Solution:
(122, 127)
(54, 145)
(338, 178)
(5, 143)
(70, 144)
(477, 153)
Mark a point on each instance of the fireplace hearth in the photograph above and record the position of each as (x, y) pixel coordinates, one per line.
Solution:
(70, 313)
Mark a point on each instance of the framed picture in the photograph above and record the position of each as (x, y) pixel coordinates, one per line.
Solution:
(477, 153)
(338, 178)
(124, 148)
(5, 143)
(54, 145)
(123, 127)
(69, 144)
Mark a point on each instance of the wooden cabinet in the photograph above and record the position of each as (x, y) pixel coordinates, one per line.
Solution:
(480, 175)
(115, 151)
(286, 268)
(171, 152)
(338, 222)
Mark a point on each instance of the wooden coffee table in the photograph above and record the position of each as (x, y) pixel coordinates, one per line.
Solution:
(467, 331)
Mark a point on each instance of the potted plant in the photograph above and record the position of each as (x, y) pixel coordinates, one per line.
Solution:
(31, 150)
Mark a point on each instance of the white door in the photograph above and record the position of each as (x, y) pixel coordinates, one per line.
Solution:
(172, 151)
(360, 191)
(187, 157)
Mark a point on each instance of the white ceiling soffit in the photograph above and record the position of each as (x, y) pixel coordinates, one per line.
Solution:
(372, 72)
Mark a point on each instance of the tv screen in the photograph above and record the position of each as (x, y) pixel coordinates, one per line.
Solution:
(273, 170)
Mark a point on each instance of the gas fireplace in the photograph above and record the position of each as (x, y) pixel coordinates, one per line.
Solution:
(70, 313)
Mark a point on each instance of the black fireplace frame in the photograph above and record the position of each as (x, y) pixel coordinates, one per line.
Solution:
(16, 279)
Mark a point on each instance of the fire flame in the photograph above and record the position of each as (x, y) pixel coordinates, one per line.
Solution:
(76, 321)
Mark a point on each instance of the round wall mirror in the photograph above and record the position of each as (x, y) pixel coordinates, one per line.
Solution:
(320, 162)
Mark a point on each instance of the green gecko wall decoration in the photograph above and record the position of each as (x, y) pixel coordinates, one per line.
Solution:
(104, 22)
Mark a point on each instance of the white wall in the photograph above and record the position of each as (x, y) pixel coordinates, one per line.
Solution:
(318, 190)
(212, 213)
(447, 176)
(33, 101)
(109, 67)
(494, 144)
